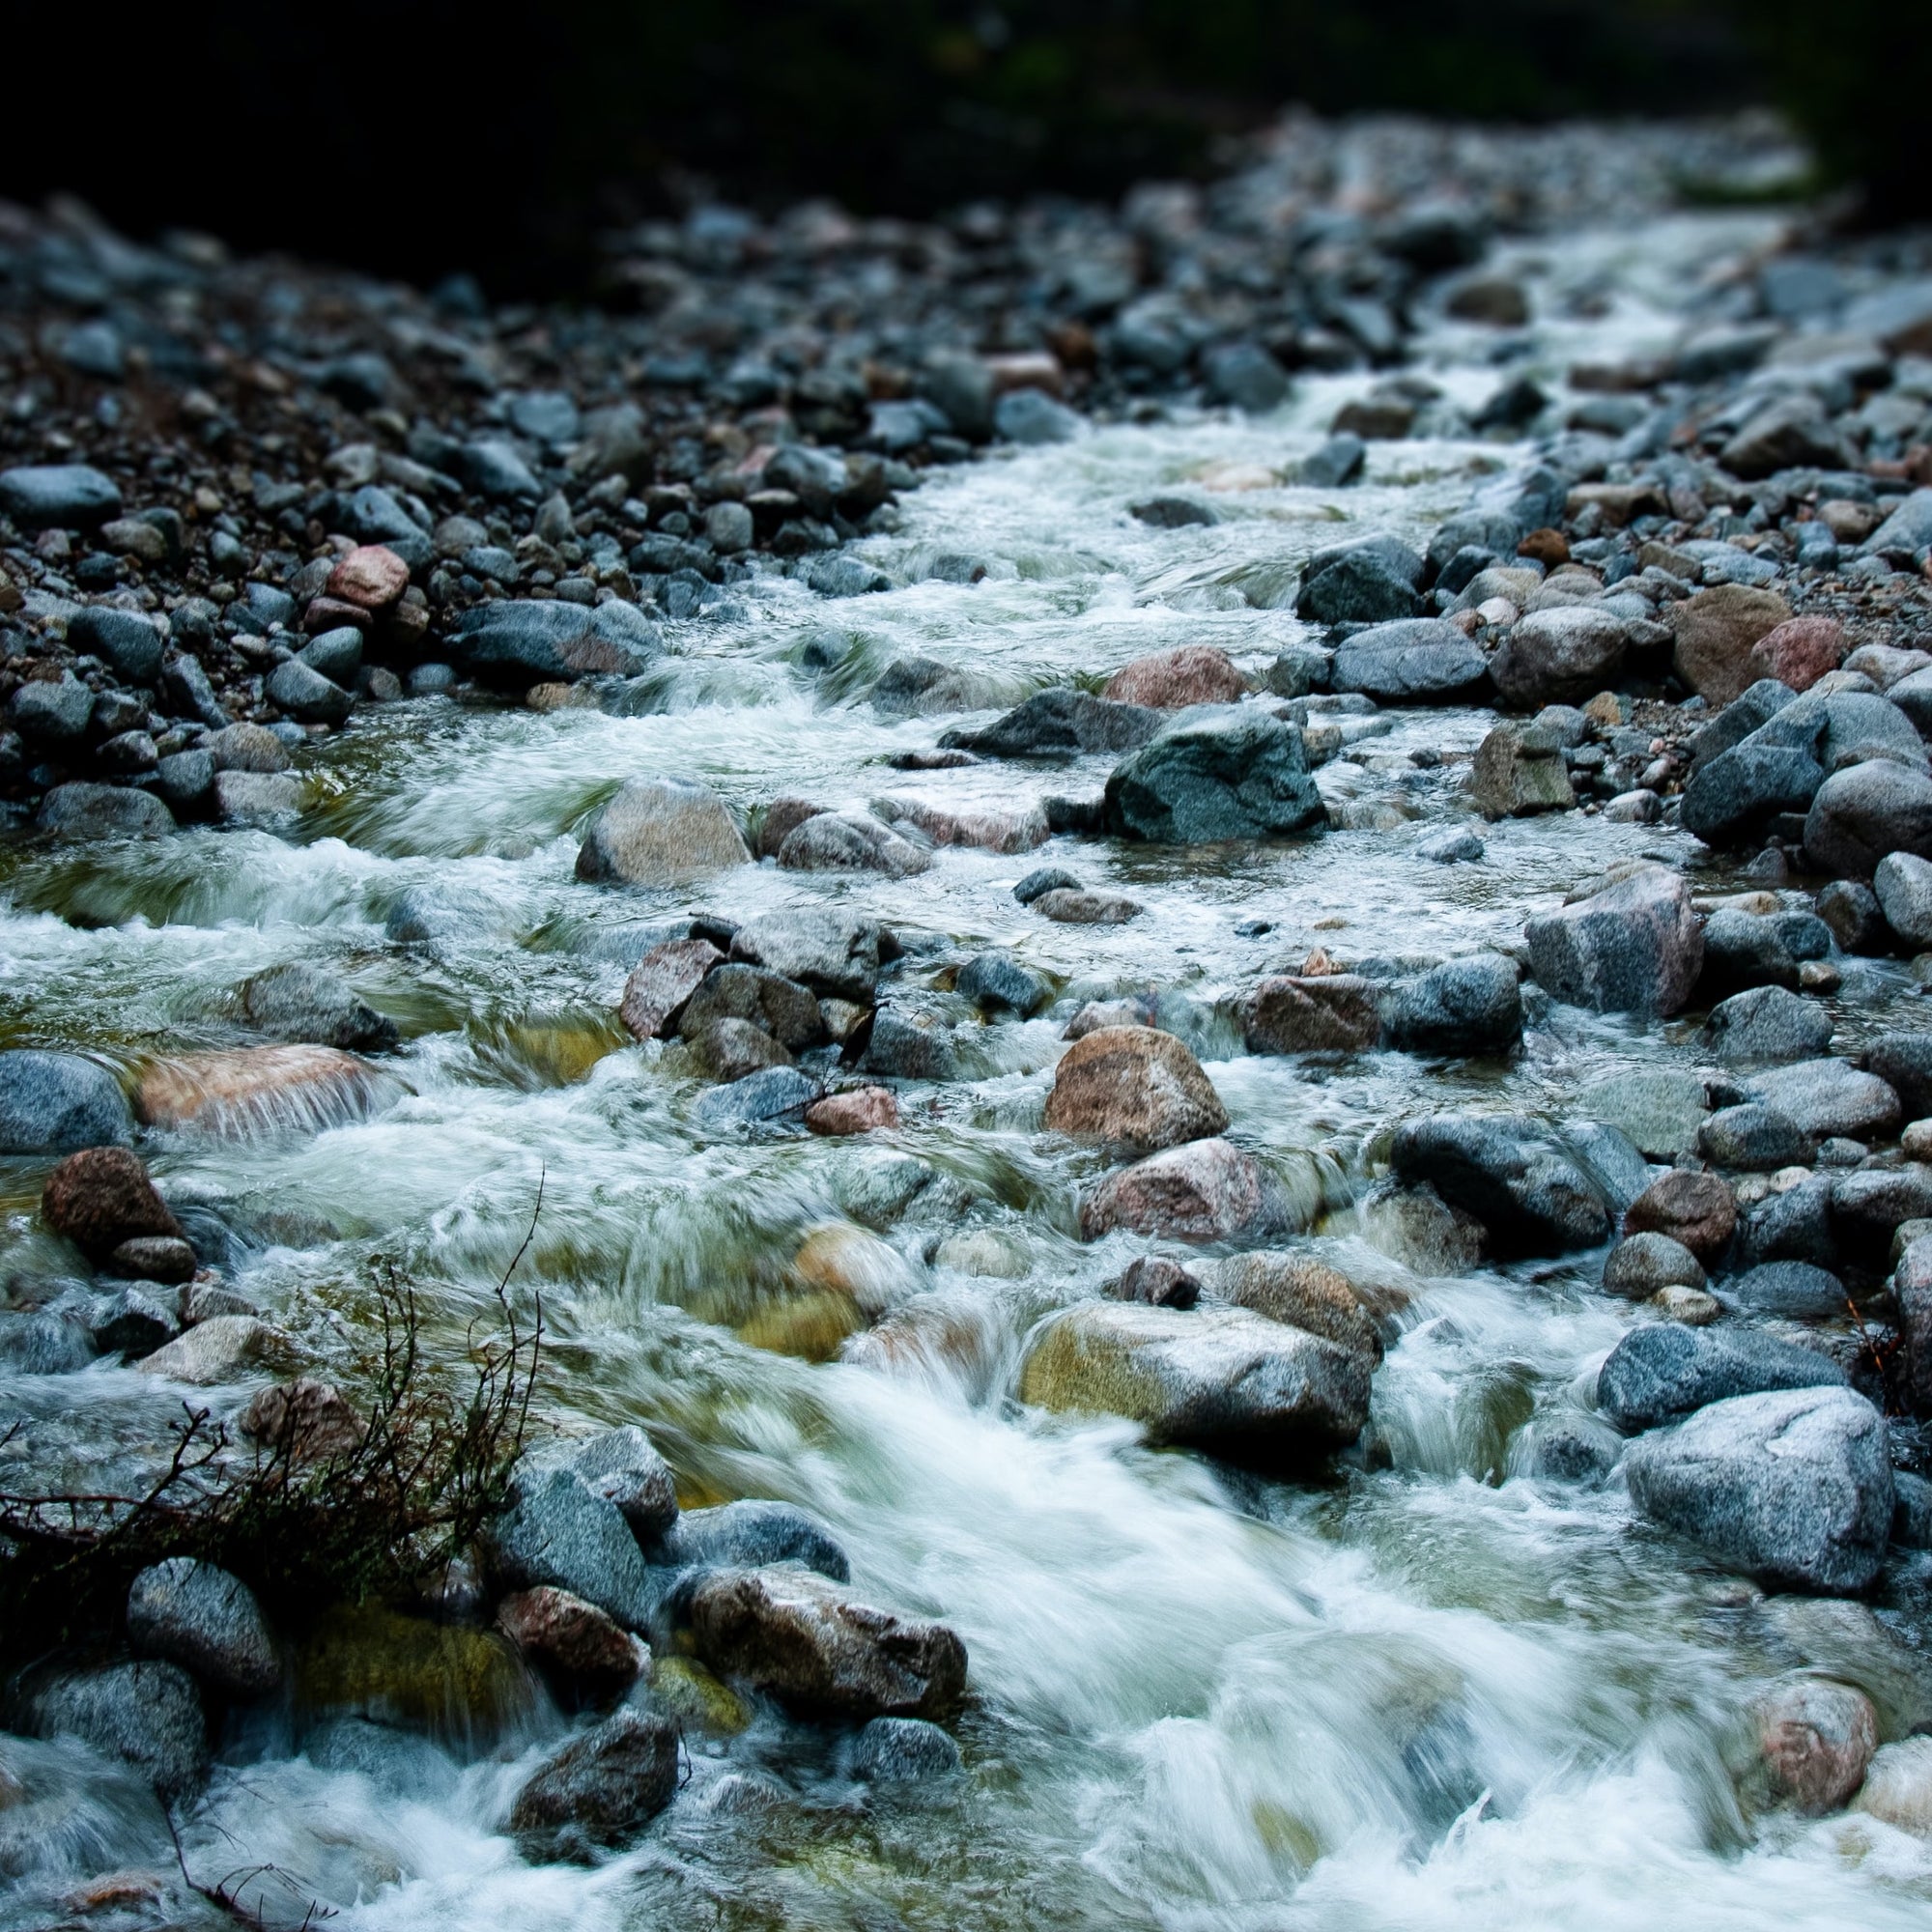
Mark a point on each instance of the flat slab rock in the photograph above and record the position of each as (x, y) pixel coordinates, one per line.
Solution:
(1214, 1378)
(262, 1089)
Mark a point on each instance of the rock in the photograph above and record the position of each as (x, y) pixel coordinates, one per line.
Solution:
(1869, 1205)
(775, 1005)
(125, 641)
(1159, 1281)
(1865, 812)
(1793, 1290)
(53, 1102)
(1220, 1378)
(1767, 1024)
(1175, 513)
(1415, 660)
(1133, 1085)
(1202, 1190)
(250, 798)
(1715, 631)
(662, 981)
(519, 642)
(623, 1467)
(750, 1534)
(1030, 416)
(1788, 432)
(1059, 723)
(303, 693)
(1170, 680)
(1231, 776)
(222, 1349)
(559, 1533)
(1632, 947)
(1044, 879)
(835, 954)
(153, 1258)
(998, 985)
(1661, 1372)
(732, 1049)
(1793, 1223)
(799, 1637)
(1640, 1264)
(993, 831)
(1078, 908)
(1333, 1012)
(253, 1090)
(1299, 1289)
(1829, 1097)
(777, 1093)
(189, 1612)
(1756, 1138)
(660, 831)
(304, 1421)
(1903, 1061)
(573, 1639)
(1697, 1210)
(1792, 1485)
(58, 496)
(1334, 464)
(1506, 1171)
(1519, 771)
(902, 1750)
(1560, 655)
(372, 577)
(102, 811)
(185, 687)
(1659, 1109)
(601, 1789)
(1359, 586)
(1798, 651)
(909, 1046)
(147, 1714)
(1465, 1005)
(1903, 883)
(1818, 1738)
(1457, 846)
(917, 687)
(101, 1197)
(185, 782)
(1898, 1786)
(248, 748)
(335, 655)
(850, 842)
(1760, 949)
(300, 1003)
(858, 1110)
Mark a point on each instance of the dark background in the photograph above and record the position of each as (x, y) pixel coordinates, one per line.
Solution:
(413, 139)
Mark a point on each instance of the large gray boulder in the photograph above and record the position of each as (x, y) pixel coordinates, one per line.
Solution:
(1510, 1172)
(621, 1466)
(1221, 1378)
(52, 1102)
(1414, 660)
(1633, 947)
(1464, 1006)
(1666, 1370)
(835, 954)
(1827, 1097)
(302, 1003)
(518, 644)
(82, 810)
(1236, 774)
(1864, 812)
(1767, 1024)
(750, 1534)
(559, 1531)
(660, 831)
(189, 1612)
(1794, 1484)
(148, 1714)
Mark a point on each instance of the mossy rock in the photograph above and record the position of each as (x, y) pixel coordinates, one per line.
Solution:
(812, 1325)
(376, 1662)
(684, 1689)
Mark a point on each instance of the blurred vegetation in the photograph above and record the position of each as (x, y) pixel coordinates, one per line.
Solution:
(433, 135)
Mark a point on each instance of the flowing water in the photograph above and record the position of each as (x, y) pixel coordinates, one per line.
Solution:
(1429, 1692)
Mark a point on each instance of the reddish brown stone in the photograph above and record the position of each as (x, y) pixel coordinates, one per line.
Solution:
(1818, 1738)
(783, 817)
(1066, 905)
(101, 1197)
(1187, 674)
(856, 1111)
(1324, 1012)
(1154, 1279)
(573, 1637)
(332, 613)
(306, 1420)
(1697, 1210)
(1715, 630)
(662, 981)
(992, 831)
(1201, 1191)
(372, 577)
(1135, 1085)
(261, 1089)
(1800, 651)
(1546, 547)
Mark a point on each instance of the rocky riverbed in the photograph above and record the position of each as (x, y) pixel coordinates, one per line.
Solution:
(1182, 952)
